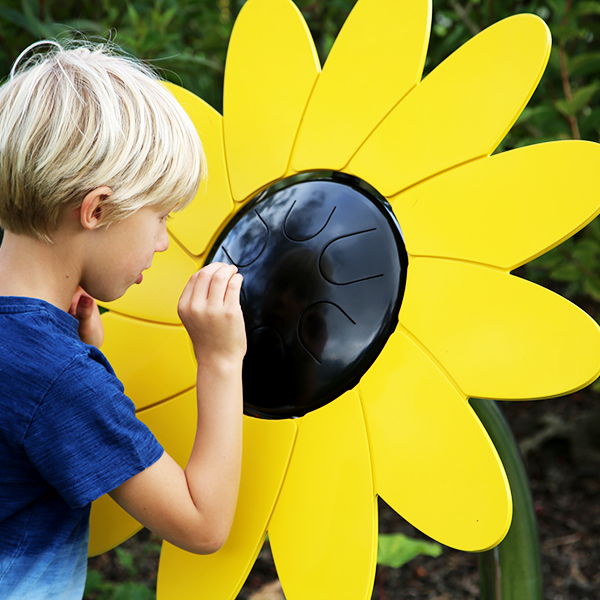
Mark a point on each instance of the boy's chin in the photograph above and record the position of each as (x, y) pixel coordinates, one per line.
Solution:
(111, 295)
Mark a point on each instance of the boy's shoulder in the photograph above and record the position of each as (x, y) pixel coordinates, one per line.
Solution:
(38, 341)
(33, 328)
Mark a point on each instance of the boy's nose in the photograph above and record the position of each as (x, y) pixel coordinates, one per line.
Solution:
(163, 242)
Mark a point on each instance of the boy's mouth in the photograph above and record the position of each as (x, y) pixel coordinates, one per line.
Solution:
(140, 278)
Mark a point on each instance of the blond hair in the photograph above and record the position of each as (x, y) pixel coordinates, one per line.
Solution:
(78, 118)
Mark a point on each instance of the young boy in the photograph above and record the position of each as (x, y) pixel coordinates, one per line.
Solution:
(94, 154)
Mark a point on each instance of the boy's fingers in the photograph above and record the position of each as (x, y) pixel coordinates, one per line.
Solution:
(232, 295)
(75, 301)
(199, 285)
(188, 290)
(85, 308)
(212, 268)
(219, 284)
(83, 305)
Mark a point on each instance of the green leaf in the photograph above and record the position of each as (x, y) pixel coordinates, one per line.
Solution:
(566, 272)
(591, 286)
(535, 112)
(126, 559)
(585, 8)
(558, 6)
(197, 60)
(566, 32)
(582, 97)
(95, 584)
(396, 549)
(584, 64)
(83, 25)
(14, 16)
(133, 591)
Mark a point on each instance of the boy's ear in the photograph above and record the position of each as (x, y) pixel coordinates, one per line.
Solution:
(90, 213)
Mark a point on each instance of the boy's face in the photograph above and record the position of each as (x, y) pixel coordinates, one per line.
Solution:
(121, 252)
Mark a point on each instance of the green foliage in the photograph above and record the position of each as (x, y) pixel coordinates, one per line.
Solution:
(573, 266)
(96, 588)
(125, 573)
(126, 559)
(396, 549)
(184, 39)
(133, 591)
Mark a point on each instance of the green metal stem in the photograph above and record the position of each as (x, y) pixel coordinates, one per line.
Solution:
(512, 570)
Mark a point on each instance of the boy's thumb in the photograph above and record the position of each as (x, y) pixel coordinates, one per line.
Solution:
(84, 307)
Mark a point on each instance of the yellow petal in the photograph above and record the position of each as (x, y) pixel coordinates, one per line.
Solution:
(499, 336)
(156, 298)
(376, 59)
(154, 362)
(505, 210)
(267, 449)
(462, 110)
(197, 224)
(434, 462)
(174, 425)
(323, 531)
(271, 68)
(110, 526)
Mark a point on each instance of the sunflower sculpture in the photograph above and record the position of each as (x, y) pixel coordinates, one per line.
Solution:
(376, 235)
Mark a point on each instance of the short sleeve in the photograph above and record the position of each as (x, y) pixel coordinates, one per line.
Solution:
(85, 439)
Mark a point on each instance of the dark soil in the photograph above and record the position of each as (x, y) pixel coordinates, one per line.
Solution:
(560, 440)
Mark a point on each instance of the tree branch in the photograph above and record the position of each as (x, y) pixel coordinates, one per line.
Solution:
(463, 15)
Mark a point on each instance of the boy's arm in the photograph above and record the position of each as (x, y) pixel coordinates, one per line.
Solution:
(193, 509)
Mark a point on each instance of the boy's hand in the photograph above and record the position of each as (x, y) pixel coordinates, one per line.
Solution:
(210, 310)
(85, 310)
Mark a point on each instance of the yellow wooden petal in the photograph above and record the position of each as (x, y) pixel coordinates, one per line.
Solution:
(434, 462)
(271, 68)
(377, 58)
(110, 526)
(174, 425)
(505, 210)
(499, 336)
(156, 298)
(197, 224)
(182, 576)
(154, 361)
(462, 110)
(323, 531)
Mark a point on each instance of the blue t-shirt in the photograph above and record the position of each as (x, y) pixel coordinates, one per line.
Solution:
(68, 435)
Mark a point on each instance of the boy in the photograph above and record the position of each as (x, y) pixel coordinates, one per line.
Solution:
(94, 154)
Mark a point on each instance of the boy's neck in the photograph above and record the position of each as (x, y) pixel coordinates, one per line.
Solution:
(36, 269)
